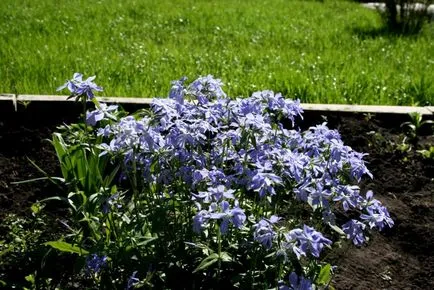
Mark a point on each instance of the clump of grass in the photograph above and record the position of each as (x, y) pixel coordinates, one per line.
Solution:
(328, 52)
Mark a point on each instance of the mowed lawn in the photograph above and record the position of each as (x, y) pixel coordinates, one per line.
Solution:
(320, 52)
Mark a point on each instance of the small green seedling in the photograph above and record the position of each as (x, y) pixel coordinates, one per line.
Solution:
(427, 153)
(403, 147)
(412, 128)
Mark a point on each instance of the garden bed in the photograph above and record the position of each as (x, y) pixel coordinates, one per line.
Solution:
(399, 258)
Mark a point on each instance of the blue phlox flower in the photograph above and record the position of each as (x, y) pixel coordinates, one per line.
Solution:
(354, 231)
(358, 167)
(317, 167)
(185, 135)
(274, 219)
(200, 220)
(218, 149)
(97, 115)
(306, 240)
(214, 115)
(202, 127)
(128, 134)
(263, 231)
(292, 109)
(338, 149)
(249, 106)
(297, 283)
(111, 201)
(219, 211)
(166, 110)
(206, 89)
(238, 217)
(87, 88)
(220, 192)
(377, 216)
(294, 164)
(261, 164)
(328, 217)
(264, 183)
(178, 91)
(319, 138)
(255, 122)
(106, 131)
(266, 97)
(312, 145)
(184, 172)
(94, 116)
(94, 263)
(200, 175)
(184, 156)
(203, 196)
(165, 176)
(234, 135)
(78, 87)
(223, 212)
(217, 176)
(294, 139)
(326, 135)
(71, 84)
(132, 280)
(277, 103)
(370, 200)
(303, 189)
(349, 195)
(319, 196)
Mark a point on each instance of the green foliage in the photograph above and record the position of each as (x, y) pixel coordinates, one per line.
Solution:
(325, 275)
(122, 223)
(66, 247)
(22, 250)
(408, 141)
(413, 127)
(82, 166)
(427, 153)
(318, 52)
(144, 196)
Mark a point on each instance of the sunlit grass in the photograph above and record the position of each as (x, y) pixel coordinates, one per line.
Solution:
(322, 52)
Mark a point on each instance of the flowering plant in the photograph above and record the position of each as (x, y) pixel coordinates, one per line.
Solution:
(218, 191)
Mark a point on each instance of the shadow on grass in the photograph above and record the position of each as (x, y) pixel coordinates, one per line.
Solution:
(387, 32)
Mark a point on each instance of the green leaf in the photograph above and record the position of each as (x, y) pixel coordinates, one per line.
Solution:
(109, 178)
(7, 250)
(66, 247)
(146, 241)
(61, 152)
(337, 229)
(54, 198)
(324, 276)
(47, 176)
(208, 261)
(30, 278)
(36, 208)
(225, 257)
(38, 179)
(96, 103)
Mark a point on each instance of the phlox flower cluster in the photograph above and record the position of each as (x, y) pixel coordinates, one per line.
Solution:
(238, 156)
(94, 263)
(297, 283)
(79, 87)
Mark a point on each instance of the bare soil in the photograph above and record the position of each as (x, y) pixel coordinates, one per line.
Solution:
(400, 258)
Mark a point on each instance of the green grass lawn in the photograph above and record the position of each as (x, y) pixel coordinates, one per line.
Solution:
(330, 52)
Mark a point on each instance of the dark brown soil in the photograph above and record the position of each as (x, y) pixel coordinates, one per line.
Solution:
(400, 258)
(25, 135)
